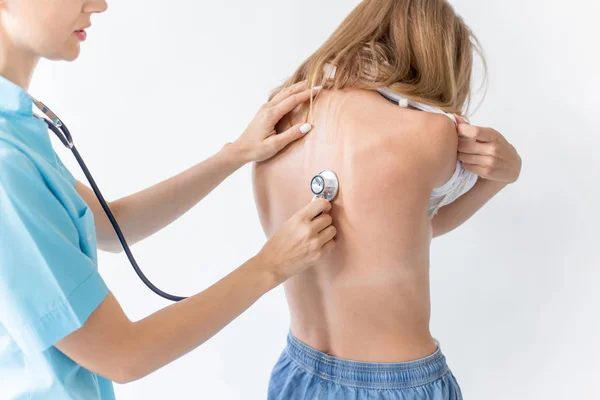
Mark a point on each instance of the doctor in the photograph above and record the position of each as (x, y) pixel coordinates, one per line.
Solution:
(63, 334)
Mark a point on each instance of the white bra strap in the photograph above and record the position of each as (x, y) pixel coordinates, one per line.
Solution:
(404, 102)
(452, 118)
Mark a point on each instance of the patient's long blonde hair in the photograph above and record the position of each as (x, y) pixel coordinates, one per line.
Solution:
(419, 48)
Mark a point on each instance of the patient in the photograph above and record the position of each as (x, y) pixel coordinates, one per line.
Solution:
(393, 73)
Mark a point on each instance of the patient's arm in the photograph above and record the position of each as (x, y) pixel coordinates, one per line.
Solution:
(457, 213)
(487, 153)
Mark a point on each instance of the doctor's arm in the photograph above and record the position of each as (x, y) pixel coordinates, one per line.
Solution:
(111, 345)
(148, 211)
(488, 154)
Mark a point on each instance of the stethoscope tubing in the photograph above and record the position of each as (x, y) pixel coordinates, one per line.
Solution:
(60, 129)
(327, 179)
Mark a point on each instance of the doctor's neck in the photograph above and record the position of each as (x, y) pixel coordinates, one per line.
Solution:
(15, 65)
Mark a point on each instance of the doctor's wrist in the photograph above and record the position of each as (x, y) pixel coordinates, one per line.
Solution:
(237, 155)
(265, 271)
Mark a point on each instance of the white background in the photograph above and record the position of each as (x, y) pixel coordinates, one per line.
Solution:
(163, 85)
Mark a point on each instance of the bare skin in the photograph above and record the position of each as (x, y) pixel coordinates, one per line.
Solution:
(368, 300)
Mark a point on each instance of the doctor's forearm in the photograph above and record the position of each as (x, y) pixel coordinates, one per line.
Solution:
(123, 351)
(148, 211)
(455, 214)
(178, 329)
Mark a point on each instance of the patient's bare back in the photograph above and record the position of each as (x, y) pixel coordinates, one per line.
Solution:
(369, 299)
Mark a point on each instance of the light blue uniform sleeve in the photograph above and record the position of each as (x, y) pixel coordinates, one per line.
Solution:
(65, 171)
(48, 286)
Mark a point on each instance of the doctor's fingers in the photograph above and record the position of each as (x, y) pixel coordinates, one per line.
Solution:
(321, 223)
(294, 133)
(287, 105)
(287, 92)
(312, 210)
(327, 235)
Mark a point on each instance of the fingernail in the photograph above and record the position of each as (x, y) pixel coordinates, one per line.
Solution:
(305, 128)
(317, 87)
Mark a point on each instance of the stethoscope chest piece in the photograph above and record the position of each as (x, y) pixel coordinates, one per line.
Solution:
(325, 185)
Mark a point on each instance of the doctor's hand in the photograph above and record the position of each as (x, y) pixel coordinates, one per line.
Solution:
(300, 242)
(260, 141)
(487, 153)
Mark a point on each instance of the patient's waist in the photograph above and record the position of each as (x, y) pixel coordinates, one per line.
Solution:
(373, 321)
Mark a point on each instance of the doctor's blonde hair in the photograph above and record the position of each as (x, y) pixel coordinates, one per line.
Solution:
(419, 48)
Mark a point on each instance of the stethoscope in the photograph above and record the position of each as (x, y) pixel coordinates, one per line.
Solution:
(324, 185)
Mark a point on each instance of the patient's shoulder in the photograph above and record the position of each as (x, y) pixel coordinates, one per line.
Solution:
(373, 109)
(399, 139)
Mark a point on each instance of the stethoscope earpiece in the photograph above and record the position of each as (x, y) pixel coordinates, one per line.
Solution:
(325, 185)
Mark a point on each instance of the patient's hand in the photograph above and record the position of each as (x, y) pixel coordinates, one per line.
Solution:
(487, 153)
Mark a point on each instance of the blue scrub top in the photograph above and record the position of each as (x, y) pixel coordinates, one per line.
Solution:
(49, 281)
